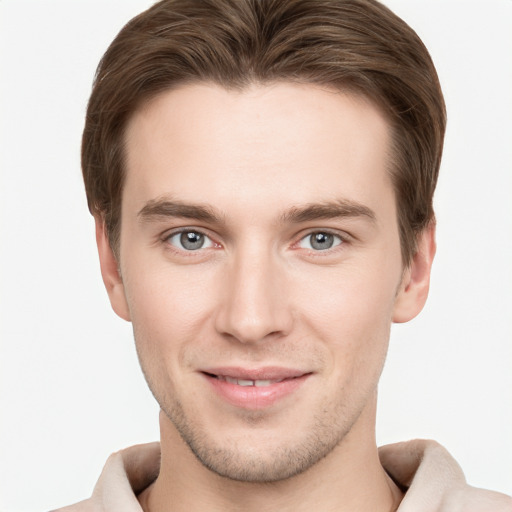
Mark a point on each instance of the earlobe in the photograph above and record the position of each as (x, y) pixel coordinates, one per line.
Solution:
(110, 272)
(415, 284)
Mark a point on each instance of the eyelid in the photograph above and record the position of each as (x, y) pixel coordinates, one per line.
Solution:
(342, 235)
(167, 235)
(337, 240)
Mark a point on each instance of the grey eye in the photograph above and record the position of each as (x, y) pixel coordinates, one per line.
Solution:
(190, 240)
(320, 241)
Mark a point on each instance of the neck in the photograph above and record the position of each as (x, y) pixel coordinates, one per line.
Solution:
(349, 478)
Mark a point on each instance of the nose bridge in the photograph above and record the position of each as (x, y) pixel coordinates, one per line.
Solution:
(255, 301)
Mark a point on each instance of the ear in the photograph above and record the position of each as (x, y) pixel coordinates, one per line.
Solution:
(110, 272)
(413, 291)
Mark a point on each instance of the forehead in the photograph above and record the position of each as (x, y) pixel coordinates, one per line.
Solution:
(287, 142)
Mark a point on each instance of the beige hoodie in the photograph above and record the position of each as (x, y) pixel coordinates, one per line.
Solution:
(434, 481)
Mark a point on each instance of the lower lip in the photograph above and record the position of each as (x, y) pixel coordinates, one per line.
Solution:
(255, 397)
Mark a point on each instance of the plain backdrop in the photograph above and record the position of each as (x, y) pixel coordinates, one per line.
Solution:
(71, 388)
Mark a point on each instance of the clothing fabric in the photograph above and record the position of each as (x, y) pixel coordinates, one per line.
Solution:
(433, 481)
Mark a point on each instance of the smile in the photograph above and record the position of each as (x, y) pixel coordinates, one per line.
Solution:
(246, 382)
(254, 389)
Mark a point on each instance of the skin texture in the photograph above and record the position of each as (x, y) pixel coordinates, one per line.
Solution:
(257, 173)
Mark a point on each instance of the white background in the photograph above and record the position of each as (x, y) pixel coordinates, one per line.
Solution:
(71, 390)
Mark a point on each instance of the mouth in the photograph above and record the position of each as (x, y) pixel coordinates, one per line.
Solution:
(260, 383)
(254, 388)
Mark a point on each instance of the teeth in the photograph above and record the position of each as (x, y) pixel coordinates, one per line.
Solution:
(231, 380)
(246, 382)
(262, 383)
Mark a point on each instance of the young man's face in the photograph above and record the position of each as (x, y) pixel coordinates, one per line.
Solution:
(261, 268)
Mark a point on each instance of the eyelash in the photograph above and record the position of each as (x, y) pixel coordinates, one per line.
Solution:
(166, 239)
(342, 239)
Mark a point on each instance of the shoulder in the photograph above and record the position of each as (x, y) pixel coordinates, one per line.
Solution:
(472, 499)
(83, 506)
(434, 481)
(125, 474)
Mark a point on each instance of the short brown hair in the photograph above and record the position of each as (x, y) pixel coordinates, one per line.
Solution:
(358, 46)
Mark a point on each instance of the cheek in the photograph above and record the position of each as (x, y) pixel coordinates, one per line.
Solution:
(169, 314)
(350, 309)
(168, 299)
(170, 311)
(352, 296)
(354, 326)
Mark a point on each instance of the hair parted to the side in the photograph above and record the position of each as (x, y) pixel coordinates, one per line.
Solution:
(357, 46)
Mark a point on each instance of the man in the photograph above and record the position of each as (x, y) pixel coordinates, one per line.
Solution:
(261, 175)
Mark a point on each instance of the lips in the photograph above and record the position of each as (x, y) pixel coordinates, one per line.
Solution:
(254, 388)
(274, 373)
(260, 383)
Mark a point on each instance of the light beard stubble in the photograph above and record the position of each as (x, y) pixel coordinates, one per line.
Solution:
(329, 427)
(286, 462)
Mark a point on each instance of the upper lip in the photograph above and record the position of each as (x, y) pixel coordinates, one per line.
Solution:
(263, 373)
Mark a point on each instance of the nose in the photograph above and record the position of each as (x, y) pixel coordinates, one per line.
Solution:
(254, 304)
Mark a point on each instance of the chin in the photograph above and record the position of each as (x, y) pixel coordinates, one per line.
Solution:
(260, 455)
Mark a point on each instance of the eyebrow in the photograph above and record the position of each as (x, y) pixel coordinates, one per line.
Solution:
(328, 210)
(161, 208)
